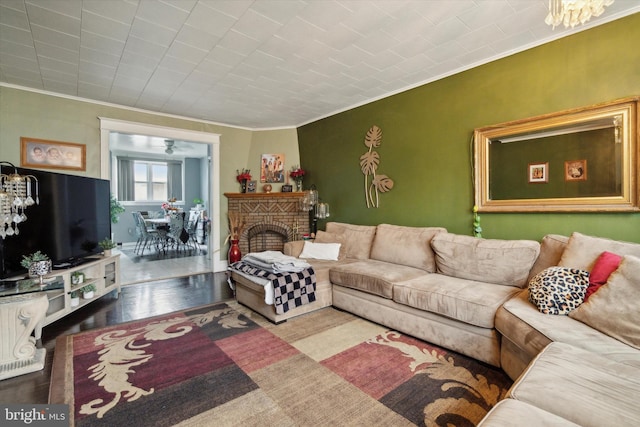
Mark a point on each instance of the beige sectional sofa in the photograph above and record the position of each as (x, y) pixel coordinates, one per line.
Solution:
(470, 295)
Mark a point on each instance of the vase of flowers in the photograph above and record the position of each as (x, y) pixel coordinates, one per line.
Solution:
(297, 174)
(242, 177)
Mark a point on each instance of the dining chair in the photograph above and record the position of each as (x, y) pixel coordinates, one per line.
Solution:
(177, 232)
(146, 236)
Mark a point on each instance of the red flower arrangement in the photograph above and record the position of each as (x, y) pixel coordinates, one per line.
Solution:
(245, 175)
(297, 172)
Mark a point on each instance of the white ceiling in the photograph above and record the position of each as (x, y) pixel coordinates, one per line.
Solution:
(260, 64)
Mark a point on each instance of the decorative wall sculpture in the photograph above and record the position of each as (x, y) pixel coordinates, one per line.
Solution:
(369, 163)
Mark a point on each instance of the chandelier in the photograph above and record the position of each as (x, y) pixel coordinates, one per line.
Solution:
(15, 197)
(574, 12)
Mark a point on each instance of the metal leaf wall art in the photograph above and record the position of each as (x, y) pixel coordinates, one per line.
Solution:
(369, 163)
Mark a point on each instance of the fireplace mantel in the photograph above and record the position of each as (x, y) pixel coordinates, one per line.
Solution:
(262, 195)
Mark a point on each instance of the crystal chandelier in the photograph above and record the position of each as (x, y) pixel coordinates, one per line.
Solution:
(15, 197)
(574, 12)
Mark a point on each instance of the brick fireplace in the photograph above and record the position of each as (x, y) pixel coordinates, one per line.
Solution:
(272, 219)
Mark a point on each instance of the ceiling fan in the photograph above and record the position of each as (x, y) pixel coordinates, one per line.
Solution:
(169, 143)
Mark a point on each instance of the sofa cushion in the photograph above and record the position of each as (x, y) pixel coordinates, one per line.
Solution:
(558, 290)
(522, 323)
(580, 386)
(372, 276)
(465, 300)
(551, 249)
(356, 239)
(503, 262)
(614, 308)
(405, 245)
(582, 251)
(511, 412)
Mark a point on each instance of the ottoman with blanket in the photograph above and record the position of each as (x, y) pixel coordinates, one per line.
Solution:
(277, 286)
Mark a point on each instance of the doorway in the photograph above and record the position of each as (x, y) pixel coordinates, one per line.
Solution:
(185, 143)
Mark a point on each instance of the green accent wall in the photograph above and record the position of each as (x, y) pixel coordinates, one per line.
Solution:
(427, 136)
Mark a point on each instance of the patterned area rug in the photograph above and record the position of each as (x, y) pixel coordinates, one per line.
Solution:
(223, 365)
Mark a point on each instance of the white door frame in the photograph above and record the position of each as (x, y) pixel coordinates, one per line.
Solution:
(108, 125)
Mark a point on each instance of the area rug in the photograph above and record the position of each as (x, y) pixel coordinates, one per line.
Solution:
(223, 365)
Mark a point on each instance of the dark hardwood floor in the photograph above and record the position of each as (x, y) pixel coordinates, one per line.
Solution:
(135, 302)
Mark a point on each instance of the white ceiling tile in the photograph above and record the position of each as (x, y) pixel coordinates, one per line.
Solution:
(13, 18)
(146, 48)
(197, 38)
(55, 38)
(71, 8)
(101, 25)
(162, 14)
(16, 35)
(101, 43)
(39, 15)
(150, 31)
(210, 20)
(46, 50)
(116, 10)
(186, 53)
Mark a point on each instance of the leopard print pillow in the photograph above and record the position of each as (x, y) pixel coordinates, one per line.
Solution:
(558, 290)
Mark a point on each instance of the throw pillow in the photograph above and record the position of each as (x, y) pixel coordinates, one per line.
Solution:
(606, 264)
(613, 310)
(326, 251)
(558, 290)
(324, 237)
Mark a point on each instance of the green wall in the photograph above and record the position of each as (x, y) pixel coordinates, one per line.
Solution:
(427, 131)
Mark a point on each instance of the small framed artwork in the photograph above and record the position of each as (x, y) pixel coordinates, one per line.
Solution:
(272, 168)
(287, 188)
(575, 170)
(42, 153)
(251, 186)
(539, 172)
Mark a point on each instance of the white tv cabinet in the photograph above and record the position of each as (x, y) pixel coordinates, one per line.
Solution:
(101, 271)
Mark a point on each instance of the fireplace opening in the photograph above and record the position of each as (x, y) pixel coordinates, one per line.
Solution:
(268, 236)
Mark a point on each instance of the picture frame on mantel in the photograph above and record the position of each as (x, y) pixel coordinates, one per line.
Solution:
(287, 188)
(47, 154)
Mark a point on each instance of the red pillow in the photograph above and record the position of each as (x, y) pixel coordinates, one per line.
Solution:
(606, 264)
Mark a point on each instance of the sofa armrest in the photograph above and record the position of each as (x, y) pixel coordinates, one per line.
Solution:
(293, 248)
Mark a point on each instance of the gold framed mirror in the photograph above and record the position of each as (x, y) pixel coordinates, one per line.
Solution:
(583, 159)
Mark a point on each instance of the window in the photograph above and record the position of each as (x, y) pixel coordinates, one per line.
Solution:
(149, 180)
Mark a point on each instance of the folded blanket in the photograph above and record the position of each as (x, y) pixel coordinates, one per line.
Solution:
(275, 262)
(284, 290)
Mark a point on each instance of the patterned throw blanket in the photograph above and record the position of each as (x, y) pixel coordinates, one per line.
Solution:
(291, 289)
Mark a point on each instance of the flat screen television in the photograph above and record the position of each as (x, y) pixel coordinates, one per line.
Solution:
(72, 217)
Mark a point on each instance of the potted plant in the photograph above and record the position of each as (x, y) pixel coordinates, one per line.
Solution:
(198, 202)
(116, 209)
(38, 265)
(75, 298)
(87, 291)
(107, 244)
(77, 278)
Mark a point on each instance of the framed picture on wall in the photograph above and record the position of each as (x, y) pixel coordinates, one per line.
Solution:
(575, 170)
(272, 168)
(42, 153)
(538, 172)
